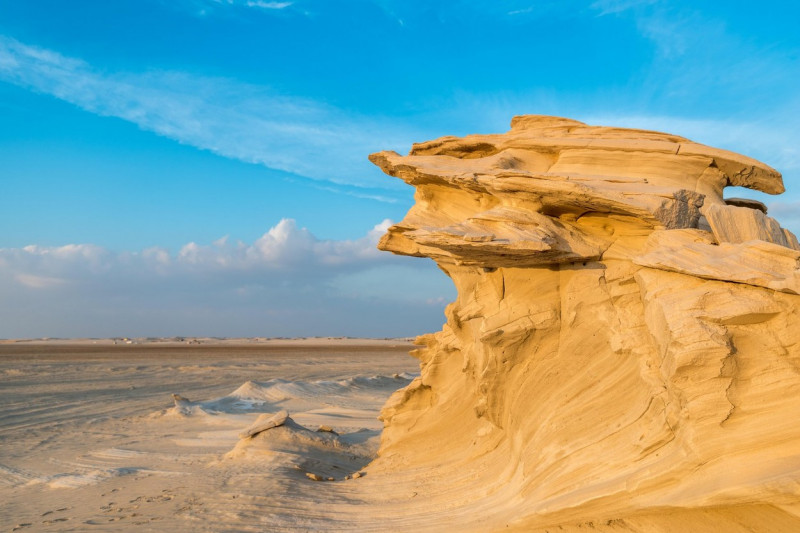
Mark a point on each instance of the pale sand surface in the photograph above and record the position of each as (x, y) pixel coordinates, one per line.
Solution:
(90, 439)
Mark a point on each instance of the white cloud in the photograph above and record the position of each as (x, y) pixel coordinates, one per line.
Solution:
(268, 5)
(699, 53)
(232, 119)
(608, 7)
(39, 282)
(284, 248)
(287, 282)
(205, 7)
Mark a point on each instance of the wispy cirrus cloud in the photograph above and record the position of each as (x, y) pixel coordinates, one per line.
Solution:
(286, 282)
(268, 5)
(208, 7)
(230, 118)
(261, 4)
(698, 53)
(608, 7)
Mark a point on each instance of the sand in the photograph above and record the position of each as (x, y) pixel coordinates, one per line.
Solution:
(91, 438)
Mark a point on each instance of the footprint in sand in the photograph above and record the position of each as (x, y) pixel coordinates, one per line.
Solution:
(51, 521)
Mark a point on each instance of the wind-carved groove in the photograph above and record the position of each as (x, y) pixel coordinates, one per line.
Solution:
(729, 370)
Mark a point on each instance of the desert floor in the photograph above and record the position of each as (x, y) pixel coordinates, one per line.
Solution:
(91, 439)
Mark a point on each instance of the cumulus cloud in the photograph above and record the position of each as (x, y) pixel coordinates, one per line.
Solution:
(38, 282)
(284, 248)
(232, 119)
(287, 282)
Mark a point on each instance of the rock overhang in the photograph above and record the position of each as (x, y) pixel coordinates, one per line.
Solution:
(537, 194)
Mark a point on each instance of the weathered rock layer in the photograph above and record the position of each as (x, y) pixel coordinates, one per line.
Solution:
(624, 339)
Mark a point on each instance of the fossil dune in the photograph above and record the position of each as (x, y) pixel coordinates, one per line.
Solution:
(624, 348)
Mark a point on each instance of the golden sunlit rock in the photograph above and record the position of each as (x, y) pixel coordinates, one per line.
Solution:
(624, 349)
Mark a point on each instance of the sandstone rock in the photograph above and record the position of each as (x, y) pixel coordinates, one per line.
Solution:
(183, 406)
(623, 341)
(264, 422)
(506, 236)
(180, 401)
(740, 224)
(755, 262)
(791, 240)
(747, 202)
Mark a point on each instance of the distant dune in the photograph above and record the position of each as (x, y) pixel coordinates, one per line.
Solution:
(214, 341)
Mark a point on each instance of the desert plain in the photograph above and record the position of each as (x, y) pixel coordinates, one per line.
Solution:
(91, 438)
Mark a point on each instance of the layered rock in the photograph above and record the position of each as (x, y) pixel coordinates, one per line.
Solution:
(624, 339)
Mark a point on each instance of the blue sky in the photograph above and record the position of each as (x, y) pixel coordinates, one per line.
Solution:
(198, 167)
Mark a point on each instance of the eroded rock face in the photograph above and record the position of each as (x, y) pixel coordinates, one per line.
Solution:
(623, 339)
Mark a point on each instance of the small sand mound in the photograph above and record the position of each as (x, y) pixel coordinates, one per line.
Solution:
(319, 455)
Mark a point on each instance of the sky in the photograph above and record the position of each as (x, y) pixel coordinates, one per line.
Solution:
(199, 167)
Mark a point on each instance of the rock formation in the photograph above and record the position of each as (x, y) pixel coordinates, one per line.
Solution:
(625, 340)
